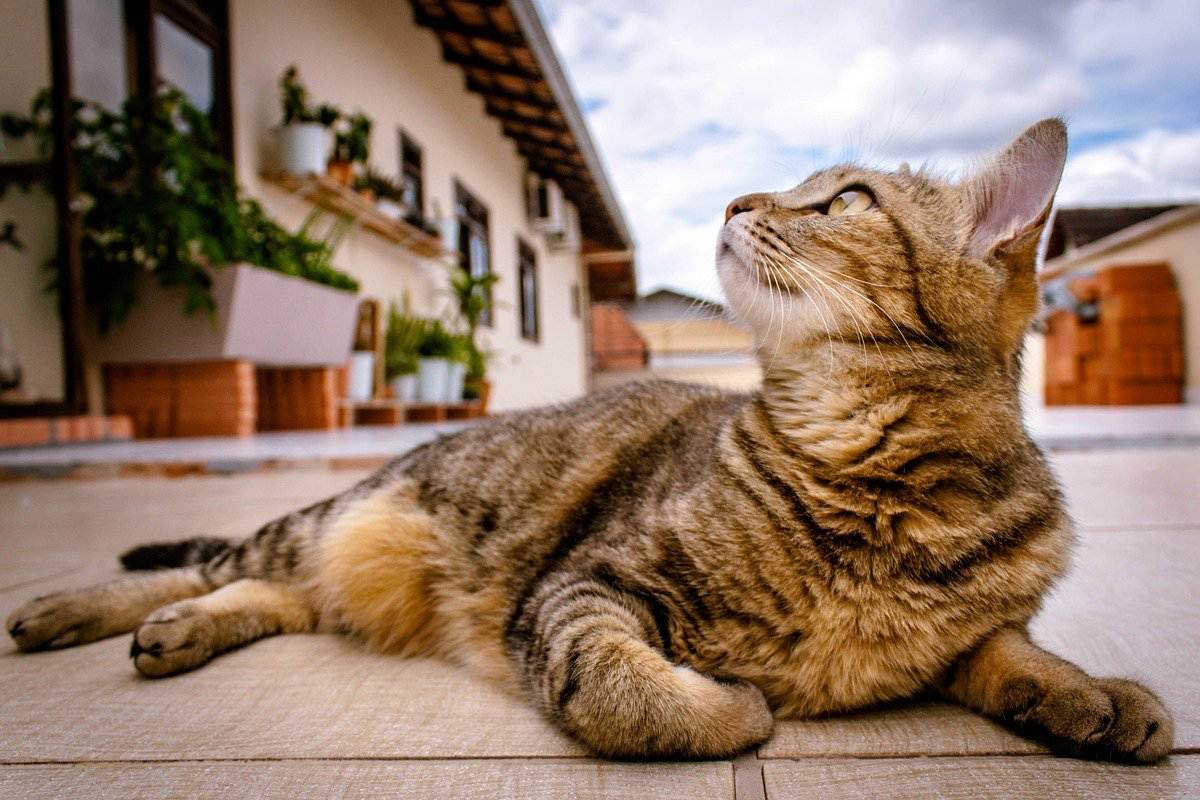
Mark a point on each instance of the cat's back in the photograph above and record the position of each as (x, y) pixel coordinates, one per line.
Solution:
(519, 455)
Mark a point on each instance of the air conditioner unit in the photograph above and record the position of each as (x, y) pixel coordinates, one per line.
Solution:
(546, 206)
(568, 238)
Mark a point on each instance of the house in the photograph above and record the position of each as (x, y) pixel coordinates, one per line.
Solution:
(1087, 241)
(470, 105)
(686, 338)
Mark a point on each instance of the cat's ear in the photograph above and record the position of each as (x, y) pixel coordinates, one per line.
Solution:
(1010, 198)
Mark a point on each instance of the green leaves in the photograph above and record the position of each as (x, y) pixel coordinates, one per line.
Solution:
(159, 199)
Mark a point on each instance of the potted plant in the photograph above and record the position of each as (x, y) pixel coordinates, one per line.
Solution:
(303, 138)
(402, 344)
(177, 265)
(472, 296)
(351, 145)
(437, 351)
(387, 193)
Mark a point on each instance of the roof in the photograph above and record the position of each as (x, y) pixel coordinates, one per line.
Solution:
(1076, 227)
(670, 304)
(507, 58)
(1160, 223)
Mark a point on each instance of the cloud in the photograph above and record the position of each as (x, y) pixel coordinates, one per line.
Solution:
(695, 101)
(1157, 166)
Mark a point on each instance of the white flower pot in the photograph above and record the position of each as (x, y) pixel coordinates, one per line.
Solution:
(404, 388)
(432, 377)
(391, 209)
(362, 375)
(263, 316)
(303, 148)
(456, 376)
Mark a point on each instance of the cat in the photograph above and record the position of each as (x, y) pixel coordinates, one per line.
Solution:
(664, 569)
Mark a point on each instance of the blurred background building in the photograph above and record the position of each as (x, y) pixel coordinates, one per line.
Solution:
(471, 120)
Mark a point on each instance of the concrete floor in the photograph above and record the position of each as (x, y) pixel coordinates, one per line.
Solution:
(315, 716)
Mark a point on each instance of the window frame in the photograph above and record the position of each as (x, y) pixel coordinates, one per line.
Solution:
(471, 217)
(408, 144)
(211, 29)
(527, 264)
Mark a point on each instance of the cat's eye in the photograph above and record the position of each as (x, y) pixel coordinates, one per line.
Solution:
(851, 201)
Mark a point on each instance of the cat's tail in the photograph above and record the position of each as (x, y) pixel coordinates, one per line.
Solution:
(166, 555)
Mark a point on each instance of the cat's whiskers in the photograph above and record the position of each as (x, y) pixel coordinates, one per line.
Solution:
(817, 302)
(830, 286)
(798, 261)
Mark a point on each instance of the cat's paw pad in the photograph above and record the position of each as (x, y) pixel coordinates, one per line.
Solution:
(1142, 730)
(173, 639)
(53, 621)
(1112, 720)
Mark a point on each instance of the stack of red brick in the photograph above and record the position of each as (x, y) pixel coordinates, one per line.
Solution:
(1131, 355)
(222, 398)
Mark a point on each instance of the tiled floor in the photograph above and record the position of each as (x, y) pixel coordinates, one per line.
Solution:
(1055, 428)
(315, 716)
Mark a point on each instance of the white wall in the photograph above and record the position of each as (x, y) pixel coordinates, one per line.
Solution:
(26, 309)
(369, 55)
(357, 54)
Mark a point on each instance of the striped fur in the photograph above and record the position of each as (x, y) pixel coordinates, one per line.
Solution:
(665, 568)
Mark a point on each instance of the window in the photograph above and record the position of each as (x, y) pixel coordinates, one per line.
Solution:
(411, 176)
(474, 252)
(185, 43)
(528, 288)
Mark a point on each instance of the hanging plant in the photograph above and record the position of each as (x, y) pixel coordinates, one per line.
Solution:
(158, 199)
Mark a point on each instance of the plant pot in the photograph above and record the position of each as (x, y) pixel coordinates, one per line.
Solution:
(341, 172)
(391, 209)
(432, 378)
(362, 375)
(404, 388)
(455, 378)
(483, 392)
(263, 316)
(303, 148)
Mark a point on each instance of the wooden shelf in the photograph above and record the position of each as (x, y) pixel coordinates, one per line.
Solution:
(327, 193)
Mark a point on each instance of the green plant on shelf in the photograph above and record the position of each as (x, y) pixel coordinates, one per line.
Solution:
(293, 97)
(438, 341)
(382, 186)
(352, 142)
(403, 340)
(157, 198)
(472, 295)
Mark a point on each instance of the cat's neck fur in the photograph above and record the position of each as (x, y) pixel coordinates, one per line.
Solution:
(854, 413)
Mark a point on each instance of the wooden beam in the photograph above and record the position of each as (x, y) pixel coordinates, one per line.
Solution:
(502, 93)
(448, 24)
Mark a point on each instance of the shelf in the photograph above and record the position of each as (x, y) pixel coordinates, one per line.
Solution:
(328, 194)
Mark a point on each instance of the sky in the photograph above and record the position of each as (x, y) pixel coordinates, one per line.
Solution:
(693, 102)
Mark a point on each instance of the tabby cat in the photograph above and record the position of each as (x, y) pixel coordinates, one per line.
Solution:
(663, 569)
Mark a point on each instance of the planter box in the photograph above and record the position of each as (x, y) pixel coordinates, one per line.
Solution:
(263, 317)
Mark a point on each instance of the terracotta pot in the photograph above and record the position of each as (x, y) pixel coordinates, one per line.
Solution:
(263, 316)
(341, 172)
(483, 391)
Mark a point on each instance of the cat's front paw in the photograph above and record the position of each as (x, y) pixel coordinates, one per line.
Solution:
(56, 620)
(175, 638)
(1107, 719)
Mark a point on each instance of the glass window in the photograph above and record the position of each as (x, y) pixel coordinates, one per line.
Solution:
(412, 175)
(527, 275)
(184, 62)
(474, 251)
(97, 46)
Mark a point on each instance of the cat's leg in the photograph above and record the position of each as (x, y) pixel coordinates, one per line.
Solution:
(97, 612)
(186, 634)
(1041, 695)
(590, 655)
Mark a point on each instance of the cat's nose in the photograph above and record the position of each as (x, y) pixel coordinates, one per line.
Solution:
(748, 202)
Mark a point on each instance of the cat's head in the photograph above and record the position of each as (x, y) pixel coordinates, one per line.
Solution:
(865, 258)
